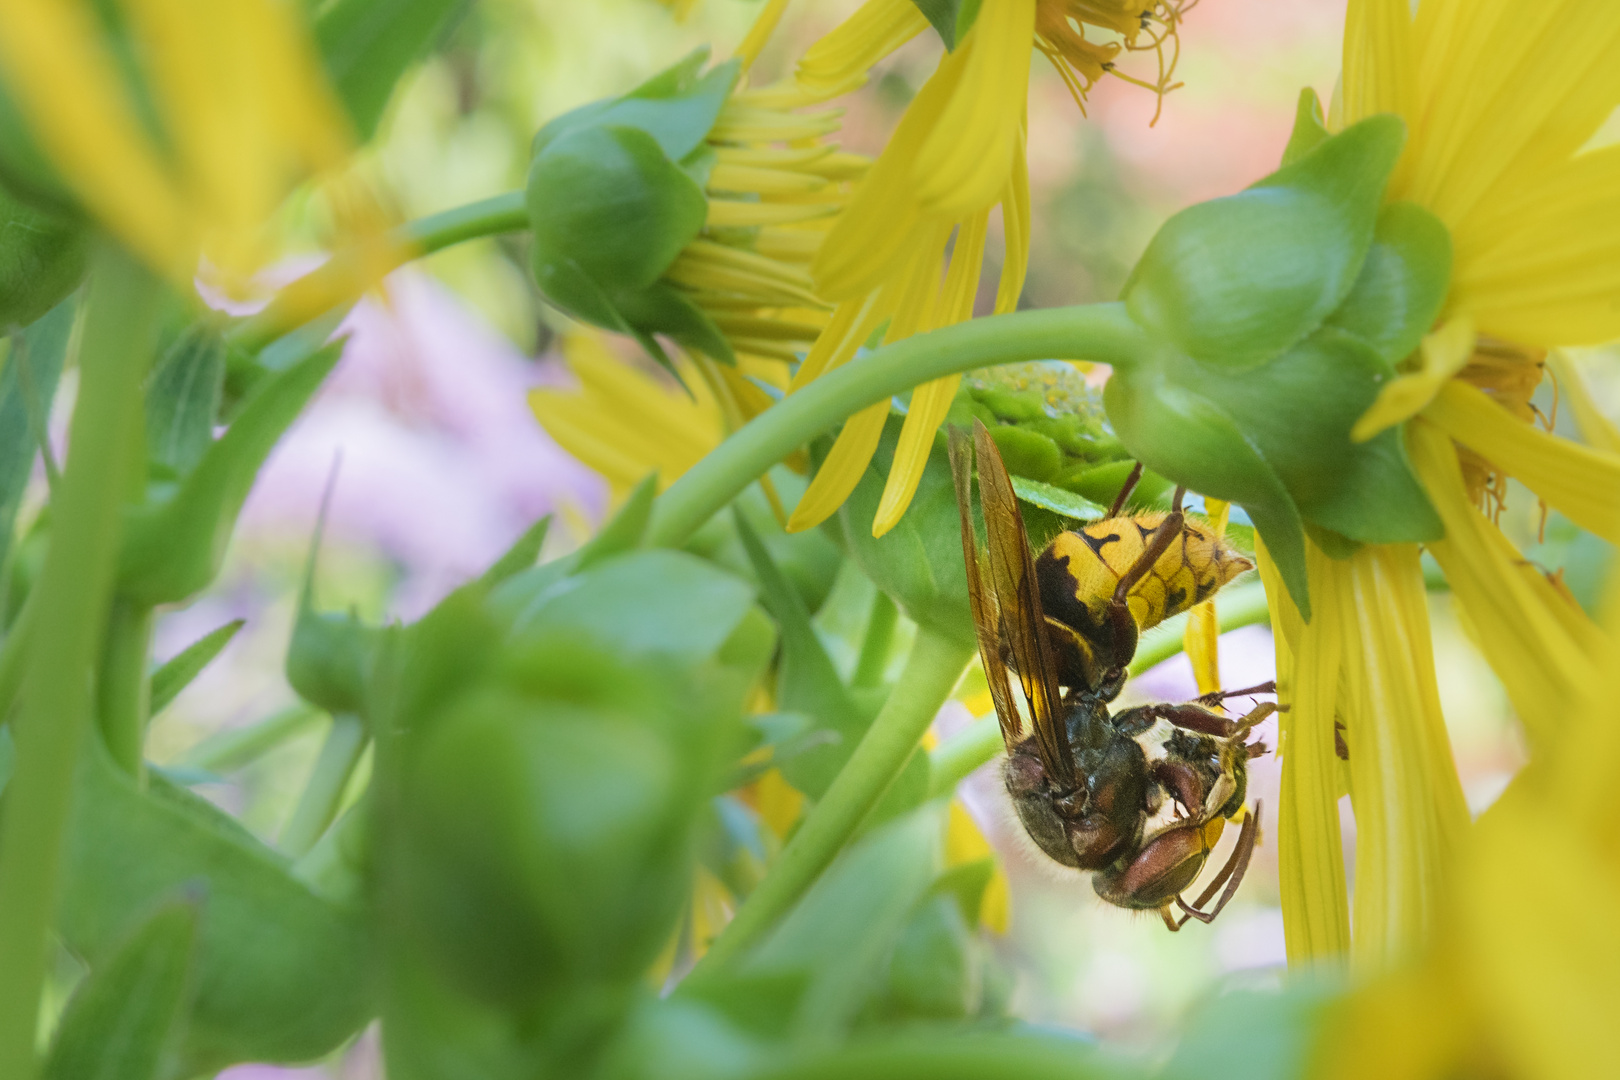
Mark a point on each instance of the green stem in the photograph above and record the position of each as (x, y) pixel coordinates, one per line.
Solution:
(74, 588)
(226, 751)
(346, 275)
(879, 639)
(931, 672)
(13, 655)
(125, 688)
(1102, 332)
(980, 741)
(318, 805)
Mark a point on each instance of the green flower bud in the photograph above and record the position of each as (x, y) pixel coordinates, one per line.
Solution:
(615, 193)
(1276, 315)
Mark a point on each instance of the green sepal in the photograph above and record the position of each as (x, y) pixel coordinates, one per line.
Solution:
(676, 107)
(1234, 281)
(174, 543)
(918, 562)
(281, 976)
(1310, 127)
(125, 1021)
(1278, 316)
(176, 674)
(951, 19)
(329, 654)
(523, 553)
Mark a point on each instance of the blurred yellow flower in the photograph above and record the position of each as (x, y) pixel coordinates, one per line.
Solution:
(239, 94)
(1499, 99)
(909, 249)
(964, 844)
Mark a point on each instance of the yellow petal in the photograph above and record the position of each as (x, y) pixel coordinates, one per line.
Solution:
(1508, 88)
(931, 401)
(1537, 642)
(1443, 353)
(1581, 482)
(1544, 267)
(965, 843)
(1201, 639)
(65, 82)
(880, 225)
(1410, 811)
(779, 803)
(852, 323)
(1316, 916)
(1410, 1025)
(840, 60)
(963, 165)
(1380, 67)
(845, 465)
(759, 33)
(1015, 224)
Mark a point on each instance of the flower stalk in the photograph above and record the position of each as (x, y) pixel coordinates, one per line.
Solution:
(74, 588)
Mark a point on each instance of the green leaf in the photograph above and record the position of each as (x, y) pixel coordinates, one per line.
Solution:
(806, 680)
(810, 560)
(28, 378)
(1058, 500)
(183, 396)
(125, 1021)
(173, 546)
(1252, 1034)
(951, 19)
(280, 974)
(42, 259)
(520, 556)
(934, 972)
(176, 674)
(844, 930)
(368, 45)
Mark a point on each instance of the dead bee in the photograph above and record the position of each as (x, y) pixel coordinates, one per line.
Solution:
(1138, 798)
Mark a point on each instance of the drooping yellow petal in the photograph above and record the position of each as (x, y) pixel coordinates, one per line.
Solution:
(1316, 911)
(852, 323)
(1581, 482)
(931, 401)
(840, 61)
(1015, 226)
(963, 165)
(1380, 69)
(1443, 353)
(1410, 811)
(1201, 640)
(1538, 643)
(845, 465)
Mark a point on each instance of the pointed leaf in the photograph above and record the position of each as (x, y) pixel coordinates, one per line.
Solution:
(173, 548)
(176, 674)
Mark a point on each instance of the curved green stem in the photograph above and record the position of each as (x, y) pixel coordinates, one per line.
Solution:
(125, 687)
(930, 674)
(74, 589)
(1102, 332)
(347, 274)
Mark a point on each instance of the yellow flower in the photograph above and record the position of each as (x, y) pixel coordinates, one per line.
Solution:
(1498, 97)
(240, 96)
(908, 251)
(964, 844)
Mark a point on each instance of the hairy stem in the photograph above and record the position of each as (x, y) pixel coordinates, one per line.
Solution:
(931, 672)
(347, 274)
(1102, 332)
(66, 636)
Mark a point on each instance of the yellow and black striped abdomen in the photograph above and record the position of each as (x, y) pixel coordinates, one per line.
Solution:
(1190, 571)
